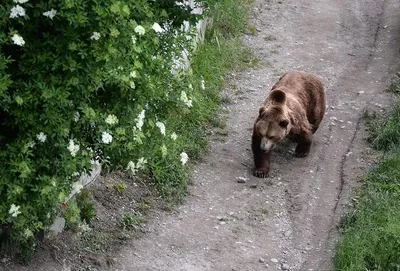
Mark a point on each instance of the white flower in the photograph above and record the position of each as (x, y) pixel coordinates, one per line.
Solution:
(76, 116)
(184, 158)
(51, 13)
(95, 36)
(132, 84)
(20, 1)
(17, 11)
(133, 74)
(31, 144)
(18, 40)
(41, 137)
(139, 120)
(131, 167)
(140, 163)
(84, 227)
(28, 233)
(73, 148)
(111, 119)
(185, 99)
(14, 210)
(161, 126)
(174, 136)
(106, 138)
(133, 39)
(140, 30)
(157, 28)
(77, 187)
(202, 83)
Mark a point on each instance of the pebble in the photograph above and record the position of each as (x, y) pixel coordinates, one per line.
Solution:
(285, 266)
(261, 260)
(274, 260)
(287, 233)
(242, 179)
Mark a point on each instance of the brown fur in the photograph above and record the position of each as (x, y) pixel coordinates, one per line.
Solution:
(294, 109)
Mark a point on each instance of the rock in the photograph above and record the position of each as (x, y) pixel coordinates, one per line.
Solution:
(253, 186)
(242, 179)
(287, 233)
(274, 260)
(58, 226)
(285, 266)
(261, 260)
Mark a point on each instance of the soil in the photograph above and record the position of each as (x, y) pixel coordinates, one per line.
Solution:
(233, 221)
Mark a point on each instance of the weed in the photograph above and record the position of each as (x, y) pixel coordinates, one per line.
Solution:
(72, 216)
(121, 187)
(146, 205)
(264, 211)
(131, 221)
(395, 85)
(253, 30)
(269, 38)
(96, 241)
(84, 201)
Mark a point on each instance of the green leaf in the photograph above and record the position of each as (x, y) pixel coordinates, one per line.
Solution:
(19, 100)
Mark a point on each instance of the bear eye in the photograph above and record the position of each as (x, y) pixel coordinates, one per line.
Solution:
(284, 123)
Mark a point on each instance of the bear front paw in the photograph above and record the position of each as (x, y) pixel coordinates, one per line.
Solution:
(261, 172)
(302, 150)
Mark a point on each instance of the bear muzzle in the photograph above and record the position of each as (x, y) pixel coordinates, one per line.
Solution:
(266, 144)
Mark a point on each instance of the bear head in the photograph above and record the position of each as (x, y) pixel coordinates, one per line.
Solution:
(272, 124)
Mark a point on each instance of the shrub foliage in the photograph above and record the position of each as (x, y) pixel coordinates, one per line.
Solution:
(83, 82)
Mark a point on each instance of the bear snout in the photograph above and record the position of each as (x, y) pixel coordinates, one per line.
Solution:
(266, 144)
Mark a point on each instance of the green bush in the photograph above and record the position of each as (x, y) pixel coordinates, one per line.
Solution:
(84, 82)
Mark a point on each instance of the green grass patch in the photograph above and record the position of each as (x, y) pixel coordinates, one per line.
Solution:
(371, 234)
(384, 130)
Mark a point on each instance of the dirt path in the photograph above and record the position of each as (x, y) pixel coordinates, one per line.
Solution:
(286, 221)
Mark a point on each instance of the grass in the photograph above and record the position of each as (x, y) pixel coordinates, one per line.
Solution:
(269, 38)
(384, 130)
(371, 234)
(370, 239)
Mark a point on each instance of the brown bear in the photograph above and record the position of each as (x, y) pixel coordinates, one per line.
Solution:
(293, 109)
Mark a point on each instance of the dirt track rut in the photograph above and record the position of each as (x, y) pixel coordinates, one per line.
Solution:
(288, 220)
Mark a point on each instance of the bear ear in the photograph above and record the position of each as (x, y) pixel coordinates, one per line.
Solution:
(284, 123)
(278, 96)
(261, 110)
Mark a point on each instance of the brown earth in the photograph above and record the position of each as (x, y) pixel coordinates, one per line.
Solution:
(287, 221)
